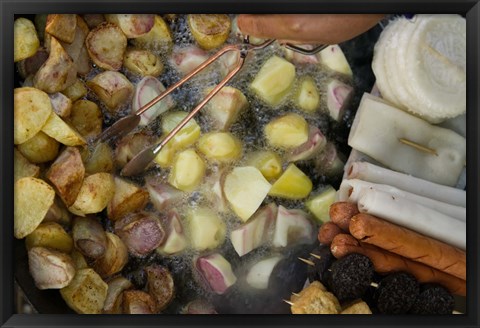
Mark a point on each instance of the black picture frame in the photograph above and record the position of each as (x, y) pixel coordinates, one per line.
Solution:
(8, 318)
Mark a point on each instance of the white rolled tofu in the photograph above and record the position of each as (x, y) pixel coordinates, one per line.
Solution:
(378, 127)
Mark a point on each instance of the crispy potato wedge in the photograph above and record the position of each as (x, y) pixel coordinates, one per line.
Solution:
(209, 30)
(115, 258)
(61, 104)
(114, 302)
(99, 160)
(31, 108)
(86, 293)
(112, 88)
(128, 198)
(32, 199)
(143, 62)
(93, 20)
(59, 130)
(49, 268)
(58, 72)
(50, 235)
(58, 213)
(132, 25)
(22, 167)
(86, 118)
(25, 39)
(76, 91)
(66, 174)
(31, 65)
(106, 45)
(138, 302)
(158, 38)
(39, 149)
(62, 26)
(96, 192)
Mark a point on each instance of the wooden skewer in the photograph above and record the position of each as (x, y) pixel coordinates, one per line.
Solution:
(288, 302)
(295, 294)
(307, 261)
(374, 284)
(418, 146)
(318, 257)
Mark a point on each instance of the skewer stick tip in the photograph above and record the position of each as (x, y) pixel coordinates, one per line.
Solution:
(288, 302)
(374, 284)
(318, 257)
(307, 261)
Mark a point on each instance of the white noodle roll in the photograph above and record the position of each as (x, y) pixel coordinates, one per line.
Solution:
(350, 190)
(411, 215)
(376, 174)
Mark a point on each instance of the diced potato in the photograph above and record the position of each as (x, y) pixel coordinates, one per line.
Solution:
(128, 198)
(274, 80)
(96, 191)
(39, 149)
(267, 161)
(143, 62)
(50, 235)
(61, 104)
(187, 136)
(334, 58)
(114, 302)
(220, 147)
(132, 25)
(22, 167)
(86, 293)
(166, 155)
(58, 72)
(32, 199)
(79, 260)
(159, 37)
(59, 130)
(209, 30)
(207, 230)
(89, 237)
(77, 49)
(66, 174)
(188, 171)
(138, 302)
(99, 160)
(76, 91)
(293, 184)
(86, 118)
(62, 26)
(32, 109)
(225, 107)
(58, 213)
(307, 97)
(319, 205)
(49, 268)
(115, 258)
(288, 131)
(245, 189)
(106, 45)
(112, 88)
(25, 42)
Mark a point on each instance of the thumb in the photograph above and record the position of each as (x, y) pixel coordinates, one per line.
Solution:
(255, 25)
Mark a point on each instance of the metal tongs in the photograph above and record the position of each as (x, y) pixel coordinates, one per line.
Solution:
(123, 126)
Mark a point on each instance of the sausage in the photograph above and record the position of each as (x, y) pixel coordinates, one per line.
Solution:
(409, 244)
(327, 232)
(386, 262)
(341, 213)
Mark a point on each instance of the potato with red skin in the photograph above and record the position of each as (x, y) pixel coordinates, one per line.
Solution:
(138, 302)
(160, 285)
(112, 88)
(132, 25)
(49, 268)
(89, 237)
(114, 258)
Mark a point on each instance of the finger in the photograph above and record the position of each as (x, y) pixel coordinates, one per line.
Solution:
(264, 26)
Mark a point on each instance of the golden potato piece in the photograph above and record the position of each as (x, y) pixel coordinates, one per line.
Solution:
(58, 72)
(22, 167)
(86, 293)
(106, 45)
(59, 130)
(77, 49)
(157, 38)
(32, 108)
(112, 88)
(62, 26)
(357, 307)
(96, 191)
(61, 104)
(32, 199)
(66, 174)
(143, 62)
(86, 118)
(115, 258)
(138, 302)
(79, 260)
(99, 160)
(50, 235)
(25, 42)
(128, 198)
(133, 25)
(39, 149)
(315, 299)
(209, 30)
(50, 269)
(76, 91)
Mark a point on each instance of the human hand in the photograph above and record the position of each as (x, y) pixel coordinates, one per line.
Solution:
(307, 29)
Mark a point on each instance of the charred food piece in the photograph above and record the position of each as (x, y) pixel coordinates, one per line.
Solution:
(433, 299)
(323, 258)
(396, 293)
(350, 276)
